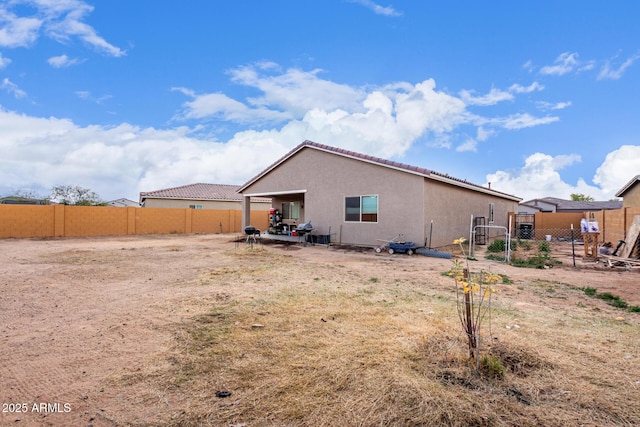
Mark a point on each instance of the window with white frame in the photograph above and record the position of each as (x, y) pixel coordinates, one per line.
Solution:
(195, 206)
(361, 209)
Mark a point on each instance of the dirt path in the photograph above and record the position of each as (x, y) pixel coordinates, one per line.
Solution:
(74, 313)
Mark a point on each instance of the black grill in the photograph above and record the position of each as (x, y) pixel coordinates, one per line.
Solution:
(304, 228)
(251, 231)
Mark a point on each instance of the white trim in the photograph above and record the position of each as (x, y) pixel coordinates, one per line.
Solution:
(274, 193)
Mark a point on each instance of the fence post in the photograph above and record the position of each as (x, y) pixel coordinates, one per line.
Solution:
(188, 220)
(131, 220)
(58, 221)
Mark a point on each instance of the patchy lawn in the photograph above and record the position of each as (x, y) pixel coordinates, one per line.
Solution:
(200, 330)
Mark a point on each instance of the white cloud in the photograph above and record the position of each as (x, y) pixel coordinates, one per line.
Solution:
(484, 134)
(377, 9)
(565, 63)
(60, 20)
(384, 121)
(528, 66)
(17, 31)
(618, 168)
(535, 86)
(469, 145)
(12, 88)
(524, 120)
(561, 105)
(4, 62)
(611, 73)
(496, 96)
(285, 108)
(218, 105)
(546, 106)
(87, 96)
(540, 176)
(295, 90)
(493, 97)
(62, 61)
(124, 160)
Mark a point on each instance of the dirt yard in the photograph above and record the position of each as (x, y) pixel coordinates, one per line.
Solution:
(84, 323)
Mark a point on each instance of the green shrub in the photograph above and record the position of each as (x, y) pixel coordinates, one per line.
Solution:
(498, 245)
(505, 279)
(611, 299)
(537, 261)
(544, 247)
(491, 366)
(494, 257)
(524, 244)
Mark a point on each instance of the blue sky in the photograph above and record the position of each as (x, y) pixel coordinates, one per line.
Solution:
(538, 98)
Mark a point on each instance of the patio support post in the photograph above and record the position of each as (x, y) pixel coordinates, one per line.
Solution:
(246, 211)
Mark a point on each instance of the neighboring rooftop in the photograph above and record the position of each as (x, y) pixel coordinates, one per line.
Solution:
(572, 205)
(628, 186)
(123, 203)
(17, 200)
(200, 191)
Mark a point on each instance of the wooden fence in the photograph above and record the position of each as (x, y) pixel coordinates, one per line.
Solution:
(26, 221)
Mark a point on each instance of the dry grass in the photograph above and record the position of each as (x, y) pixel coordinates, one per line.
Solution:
(341, 345)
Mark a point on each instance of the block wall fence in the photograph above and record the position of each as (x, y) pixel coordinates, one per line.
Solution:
(28, 221)
(613, 224)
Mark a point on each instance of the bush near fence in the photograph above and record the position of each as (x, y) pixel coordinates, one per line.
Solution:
(27, 221)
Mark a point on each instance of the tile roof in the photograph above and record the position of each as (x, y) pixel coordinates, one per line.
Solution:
(427, 173)
(200, 191)
(563, 205)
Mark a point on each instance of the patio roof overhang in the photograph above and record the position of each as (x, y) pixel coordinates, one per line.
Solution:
(274, 193)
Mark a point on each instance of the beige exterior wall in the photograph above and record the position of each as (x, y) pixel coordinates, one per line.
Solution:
(631, 198)
(450, 208)
(325, 179)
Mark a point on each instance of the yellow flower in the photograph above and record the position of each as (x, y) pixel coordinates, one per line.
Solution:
(459, 241)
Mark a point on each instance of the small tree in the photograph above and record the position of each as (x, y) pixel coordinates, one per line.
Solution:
(579, 197)
(75, 195)
(473, 301)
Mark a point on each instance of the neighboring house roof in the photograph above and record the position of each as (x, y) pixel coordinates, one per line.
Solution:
(15, 200)
(572, 205)
(200, 191)
(124, 202)
(384, 163)
(634, 181)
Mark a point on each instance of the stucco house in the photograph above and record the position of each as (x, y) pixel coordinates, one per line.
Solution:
(359, 199)
(123, 203)
(630, 193)
(201, 196)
